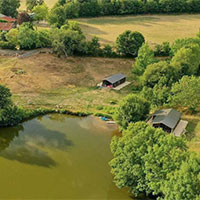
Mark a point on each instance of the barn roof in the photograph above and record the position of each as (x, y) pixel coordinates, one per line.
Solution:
(8, 19)
(6, 26)
(168, 117)
(114, 78)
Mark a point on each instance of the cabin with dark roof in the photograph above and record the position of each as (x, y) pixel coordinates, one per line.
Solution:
(114, 80)
(169, 120)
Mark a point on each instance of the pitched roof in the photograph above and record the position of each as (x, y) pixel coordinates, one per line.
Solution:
(168, 117)
(8, 19)
(114, 78)
(6, 26)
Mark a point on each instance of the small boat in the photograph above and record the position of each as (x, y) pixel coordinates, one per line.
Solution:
(104, 118)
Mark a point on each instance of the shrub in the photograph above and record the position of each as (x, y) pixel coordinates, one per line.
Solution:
(128, 43)
(132, 108)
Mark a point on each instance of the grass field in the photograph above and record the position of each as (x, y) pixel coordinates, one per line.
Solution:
(47, 81)
(155, 28)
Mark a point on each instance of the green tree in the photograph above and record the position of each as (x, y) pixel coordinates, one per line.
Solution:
(128, 43)
(57, 16)
(145, 58)
(12, 36)
(30, 4)
(159, 73)
(187, 60)
(144, 156)
(131, 109)
(184, 183)
(9, 7)
(186, 92)
(67, 42)
(41, 12)
(27, 37)
(5, 97)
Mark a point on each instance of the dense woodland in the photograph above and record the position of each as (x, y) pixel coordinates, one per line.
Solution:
(145, 159)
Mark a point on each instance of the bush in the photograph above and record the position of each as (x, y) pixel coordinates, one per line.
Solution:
(132, 108)
(163, 49)
(7, 45)
(128, 43)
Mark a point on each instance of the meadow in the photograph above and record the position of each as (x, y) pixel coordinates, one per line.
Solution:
(155, 28)
(70, 83)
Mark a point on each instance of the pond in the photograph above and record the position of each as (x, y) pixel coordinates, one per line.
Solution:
(58, 157)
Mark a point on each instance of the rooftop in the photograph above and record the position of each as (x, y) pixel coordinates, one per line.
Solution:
(168, 117)
(6, 26)
(114, 78)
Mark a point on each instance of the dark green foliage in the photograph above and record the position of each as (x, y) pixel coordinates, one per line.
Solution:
(93, 47)
(186, 93)
(128, 43)
(143, 158)
(132, 108)
(145, 57)
(180, 43)
(163, 49)
(7, 45)
(161, 73)
(187, 60)
(9, 7)
(94, 8)
(67, 42)
(157, 96)
(57, 16)
(11, 115)
(5, 96)
(184, 183)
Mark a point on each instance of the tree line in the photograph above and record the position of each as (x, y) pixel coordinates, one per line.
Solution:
(94, 8)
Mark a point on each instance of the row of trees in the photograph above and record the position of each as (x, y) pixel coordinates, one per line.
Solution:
(146, 159)
(69, 40)
(93, 8)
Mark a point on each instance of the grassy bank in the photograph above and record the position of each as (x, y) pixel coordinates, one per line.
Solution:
(155, 28)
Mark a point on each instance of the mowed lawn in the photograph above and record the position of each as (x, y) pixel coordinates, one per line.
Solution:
(155, 28)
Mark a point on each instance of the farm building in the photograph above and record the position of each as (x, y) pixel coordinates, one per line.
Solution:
(7, 23)
(114, 80)
(169, 120)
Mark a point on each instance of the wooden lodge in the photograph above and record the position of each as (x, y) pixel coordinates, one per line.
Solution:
(114, 80)
(169, 120)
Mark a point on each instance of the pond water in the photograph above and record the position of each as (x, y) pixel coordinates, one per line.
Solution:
(57, 157)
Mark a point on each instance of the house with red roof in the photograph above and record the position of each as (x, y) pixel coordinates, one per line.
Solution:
(7, 23)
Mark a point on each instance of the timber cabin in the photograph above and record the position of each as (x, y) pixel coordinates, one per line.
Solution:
(114, 80)
(169, 120)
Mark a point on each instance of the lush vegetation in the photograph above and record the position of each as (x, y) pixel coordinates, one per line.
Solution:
(147, 159)
(94, 8)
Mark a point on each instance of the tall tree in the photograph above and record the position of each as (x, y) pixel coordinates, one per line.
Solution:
(186, 92)
(9, 7)
(128, 43)
(144, 156)
(145, 58)
(131, 109)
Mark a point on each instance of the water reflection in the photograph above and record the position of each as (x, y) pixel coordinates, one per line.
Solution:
(32, 147)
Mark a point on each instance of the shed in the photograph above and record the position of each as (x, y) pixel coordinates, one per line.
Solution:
(114, 80)
(169, 120)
